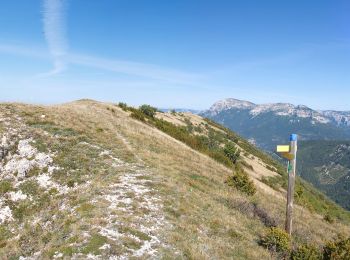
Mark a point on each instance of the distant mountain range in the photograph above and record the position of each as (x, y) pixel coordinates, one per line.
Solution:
(324, 147)
(339, 118)
(269, 124)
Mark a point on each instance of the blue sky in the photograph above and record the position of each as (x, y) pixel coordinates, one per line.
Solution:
(182, 53)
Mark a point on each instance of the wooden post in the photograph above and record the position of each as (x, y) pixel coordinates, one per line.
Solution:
(291, 182)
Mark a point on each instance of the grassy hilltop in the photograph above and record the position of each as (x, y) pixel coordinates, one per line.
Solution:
(90, 179)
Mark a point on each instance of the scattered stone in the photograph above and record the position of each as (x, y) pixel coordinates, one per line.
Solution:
(17, 196)
(5, 213)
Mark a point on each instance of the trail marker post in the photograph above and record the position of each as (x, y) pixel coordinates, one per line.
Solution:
(290, 152)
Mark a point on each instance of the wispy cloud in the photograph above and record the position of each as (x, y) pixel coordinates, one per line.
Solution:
(55, 33)
(137, 69)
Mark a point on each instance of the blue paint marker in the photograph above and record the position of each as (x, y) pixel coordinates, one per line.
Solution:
(293, 137)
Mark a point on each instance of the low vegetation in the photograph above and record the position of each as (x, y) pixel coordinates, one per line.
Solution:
(118, 187)
(337, 249)
(222, 146)
(240, 180)
(231, 152)
(306, 251)
(148, 110)
(210, 144)
(277, 241)
(248, 148)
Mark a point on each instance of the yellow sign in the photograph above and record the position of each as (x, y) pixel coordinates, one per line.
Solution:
(283, 148)
(288, 156)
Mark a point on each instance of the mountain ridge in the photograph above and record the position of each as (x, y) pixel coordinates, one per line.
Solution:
(341, 118)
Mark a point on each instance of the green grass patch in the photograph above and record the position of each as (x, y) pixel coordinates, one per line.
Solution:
(94, 243)
(5, 234)
(5, 186)
(137, 233)
(52, 128)
(30, 187)
(131, 243)
(85, 208)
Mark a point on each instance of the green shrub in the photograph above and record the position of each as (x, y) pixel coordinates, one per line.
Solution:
(232, 152)
(123, 106)
(148, 110)
(138, 115)
(240, 180)
(299, 192)
(276, 240)
(339, 249)
(306, 252)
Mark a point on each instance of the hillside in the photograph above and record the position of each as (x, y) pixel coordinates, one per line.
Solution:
(326, 164)
(267, 125)
(94, 180)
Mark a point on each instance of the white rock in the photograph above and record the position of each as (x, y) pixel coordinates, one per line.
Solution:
(58, 255)
(43, 160)
(4, 141)
(21, 166)
(5, 213)
(44, 180)
(16, 196)
(25, 149)
(105, 246)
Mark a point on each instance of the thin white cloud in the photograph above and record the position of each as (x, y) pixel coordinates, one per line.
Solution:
(55, 33)
(137, 69)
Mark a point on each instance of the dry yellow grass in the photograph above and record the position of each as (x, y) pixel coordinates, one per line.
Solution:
(206, 220)
(176, 163)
